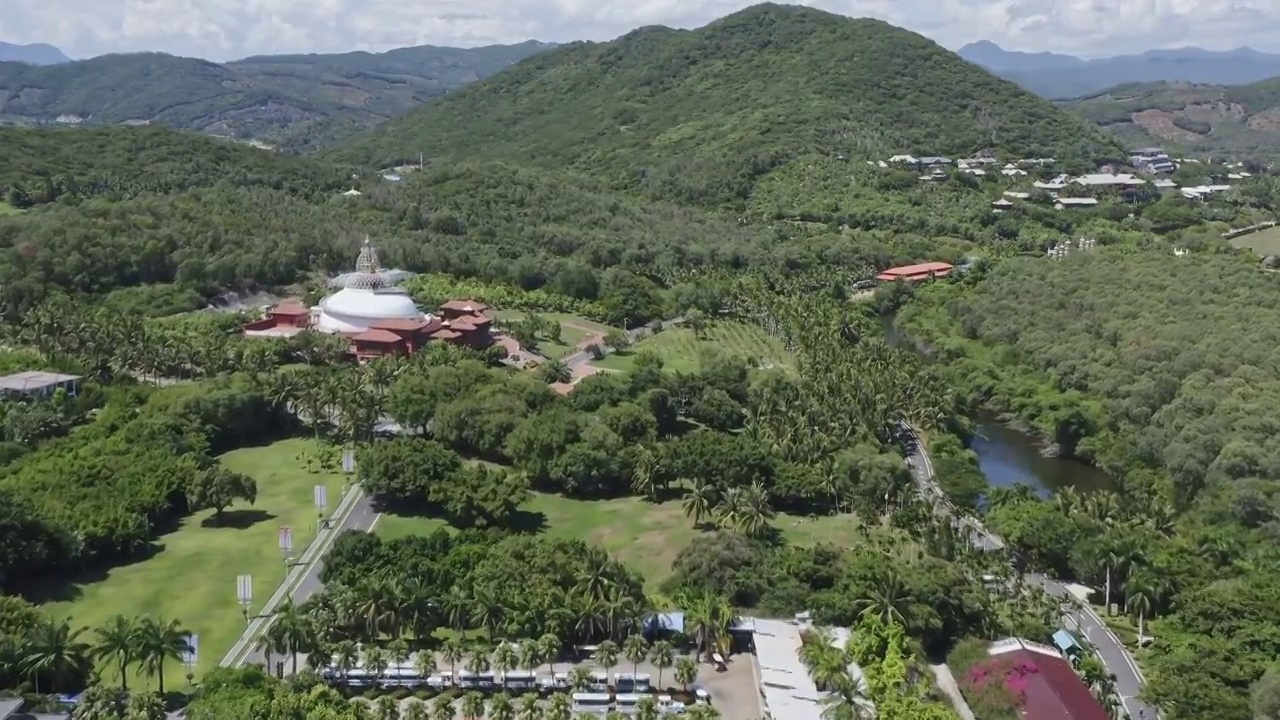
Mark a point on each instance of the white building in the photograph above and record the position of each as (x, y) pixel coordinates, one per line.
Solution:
(366, 298)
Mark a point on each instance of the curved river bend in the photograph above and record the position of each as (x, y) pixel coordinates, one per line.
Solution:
(1008, 457)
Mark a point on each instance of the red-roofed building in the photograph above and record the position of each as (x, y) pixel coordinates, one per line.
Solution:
(916, 273)
(460, 308)
(286, 319)
(1039, 679)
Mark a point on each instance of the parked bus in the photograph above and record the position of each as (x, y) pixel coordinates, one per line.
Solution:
(591, 702)
(631, 682)
(628, 703)
(520, 680)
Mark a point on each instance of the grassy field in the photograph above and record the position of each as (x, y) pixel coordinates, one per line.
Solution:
(682, 352)
(191, 578)
(573, 330)
(1262, 243)
(7, 209)
(645, 536)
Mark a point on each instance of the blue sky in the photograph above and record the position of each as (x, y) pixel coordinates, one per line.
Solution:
(228, 29)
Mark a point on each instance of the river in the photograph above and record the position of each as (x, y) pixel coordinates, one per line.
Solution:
(1007, 456)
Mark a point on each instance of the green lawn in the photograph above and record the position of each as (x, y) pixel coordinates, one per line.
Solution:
(645, 536)
(7, 209)
(681, 351)
(1262, 243)
(192, 577)
(573, 330)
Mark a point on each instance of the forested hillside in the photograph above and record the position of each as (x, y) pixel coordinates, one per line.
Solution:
(699, 116)
(1238, 122)
(1163, 370)
(296, 102)
(38, 167)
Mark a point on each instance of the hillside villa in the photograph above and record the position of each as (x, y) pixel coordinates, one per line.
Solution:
(916, 273)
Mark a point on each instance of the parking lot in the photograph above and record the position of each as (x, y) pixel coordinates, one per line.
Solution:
(733, 690)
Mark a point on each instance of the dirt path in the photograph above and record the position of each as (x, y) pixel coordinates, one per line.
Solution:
(947, 684)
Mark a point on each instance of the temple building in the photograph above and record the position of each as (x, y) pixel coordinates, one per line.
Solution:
(376, 316)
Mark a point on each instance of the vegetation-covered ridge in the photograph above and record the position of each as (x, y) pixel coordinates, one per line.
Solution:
(700, 115)
(1162, 369)
(297, 102)
(1238, 122)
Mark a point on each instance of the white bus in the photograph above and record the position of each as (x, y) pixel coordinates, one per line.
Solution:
(520, 680)
(591, 702)
(631, 682)
(466, 679)
(628, 703)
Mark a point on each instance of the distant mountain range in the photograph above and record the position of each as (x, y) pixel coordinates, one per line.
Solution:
(1064, 76)
(36, 54)
(294, 102)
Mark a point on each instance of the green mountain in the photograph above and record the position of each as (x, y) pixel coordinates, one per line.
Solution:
(297, 102)
(701, 115)
(1240, 122)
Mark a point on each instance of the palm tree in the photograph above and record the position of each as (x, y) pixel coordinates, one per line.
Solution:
(549, 650)
(292, 630)
(579, 678)
(478, 660)
(116, 641)
(1142, 595)
(442, 708)
(504, 659)
(158, 642)
(645, 473)
(56, 652)
(559, 707)
(500, 707)
(606, 655)
(686, 672)
(386, 709)
(376, 662)
(635, 648)
(453, 654)
(700, 501)
(424, 661)
(416, 709)
(663, 656)
(647, 708)
(529, 708)
(346, 656)
(146, 706)
(707, 620)
(886, 598)
(753, 511)
(472, 706)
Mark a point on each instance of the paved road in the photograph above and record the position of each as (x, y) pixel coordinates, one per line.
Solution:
(303, 580)
(583, 357)
(1114, 655)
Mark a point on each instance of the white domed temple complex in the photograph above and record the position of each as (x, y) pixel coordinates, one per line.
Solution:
(376, 316)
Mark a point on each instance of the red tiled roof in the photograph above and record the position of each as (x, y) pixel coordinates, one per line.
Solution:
(377, 336)
(462, 324)
(929, 267)
(465, 306)
(1047, 687)
(445, 334)
(403, 324)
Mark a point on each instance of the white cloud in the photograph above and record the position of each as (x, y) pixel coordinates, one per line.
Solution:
(223, 29)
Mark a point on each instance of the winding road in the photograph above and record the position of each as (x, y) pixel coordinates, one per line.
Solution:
(1084, 621)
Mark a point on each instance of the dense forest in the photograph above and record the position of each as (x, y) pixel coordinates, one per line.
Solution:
(700, 116)
(1161, 370)
(294, 102)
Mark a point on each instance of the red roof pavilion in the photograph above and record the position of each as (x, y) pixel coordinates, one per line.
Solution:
(1046, 686)
(916, 273)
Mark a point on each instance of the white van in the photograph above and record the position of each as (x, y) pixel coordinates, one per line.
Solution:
(628, 703)
(667, 706)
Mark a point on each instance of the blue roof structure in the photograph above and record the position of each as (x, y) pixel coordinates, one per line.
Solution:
(1065, 642)
(664, 622)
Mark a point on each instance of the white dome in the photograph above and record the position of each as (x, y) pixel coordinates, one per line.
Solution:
(354, 310)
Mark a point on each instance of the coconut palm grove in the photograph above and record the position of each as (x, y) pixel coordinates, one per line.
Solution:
(710, 372)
